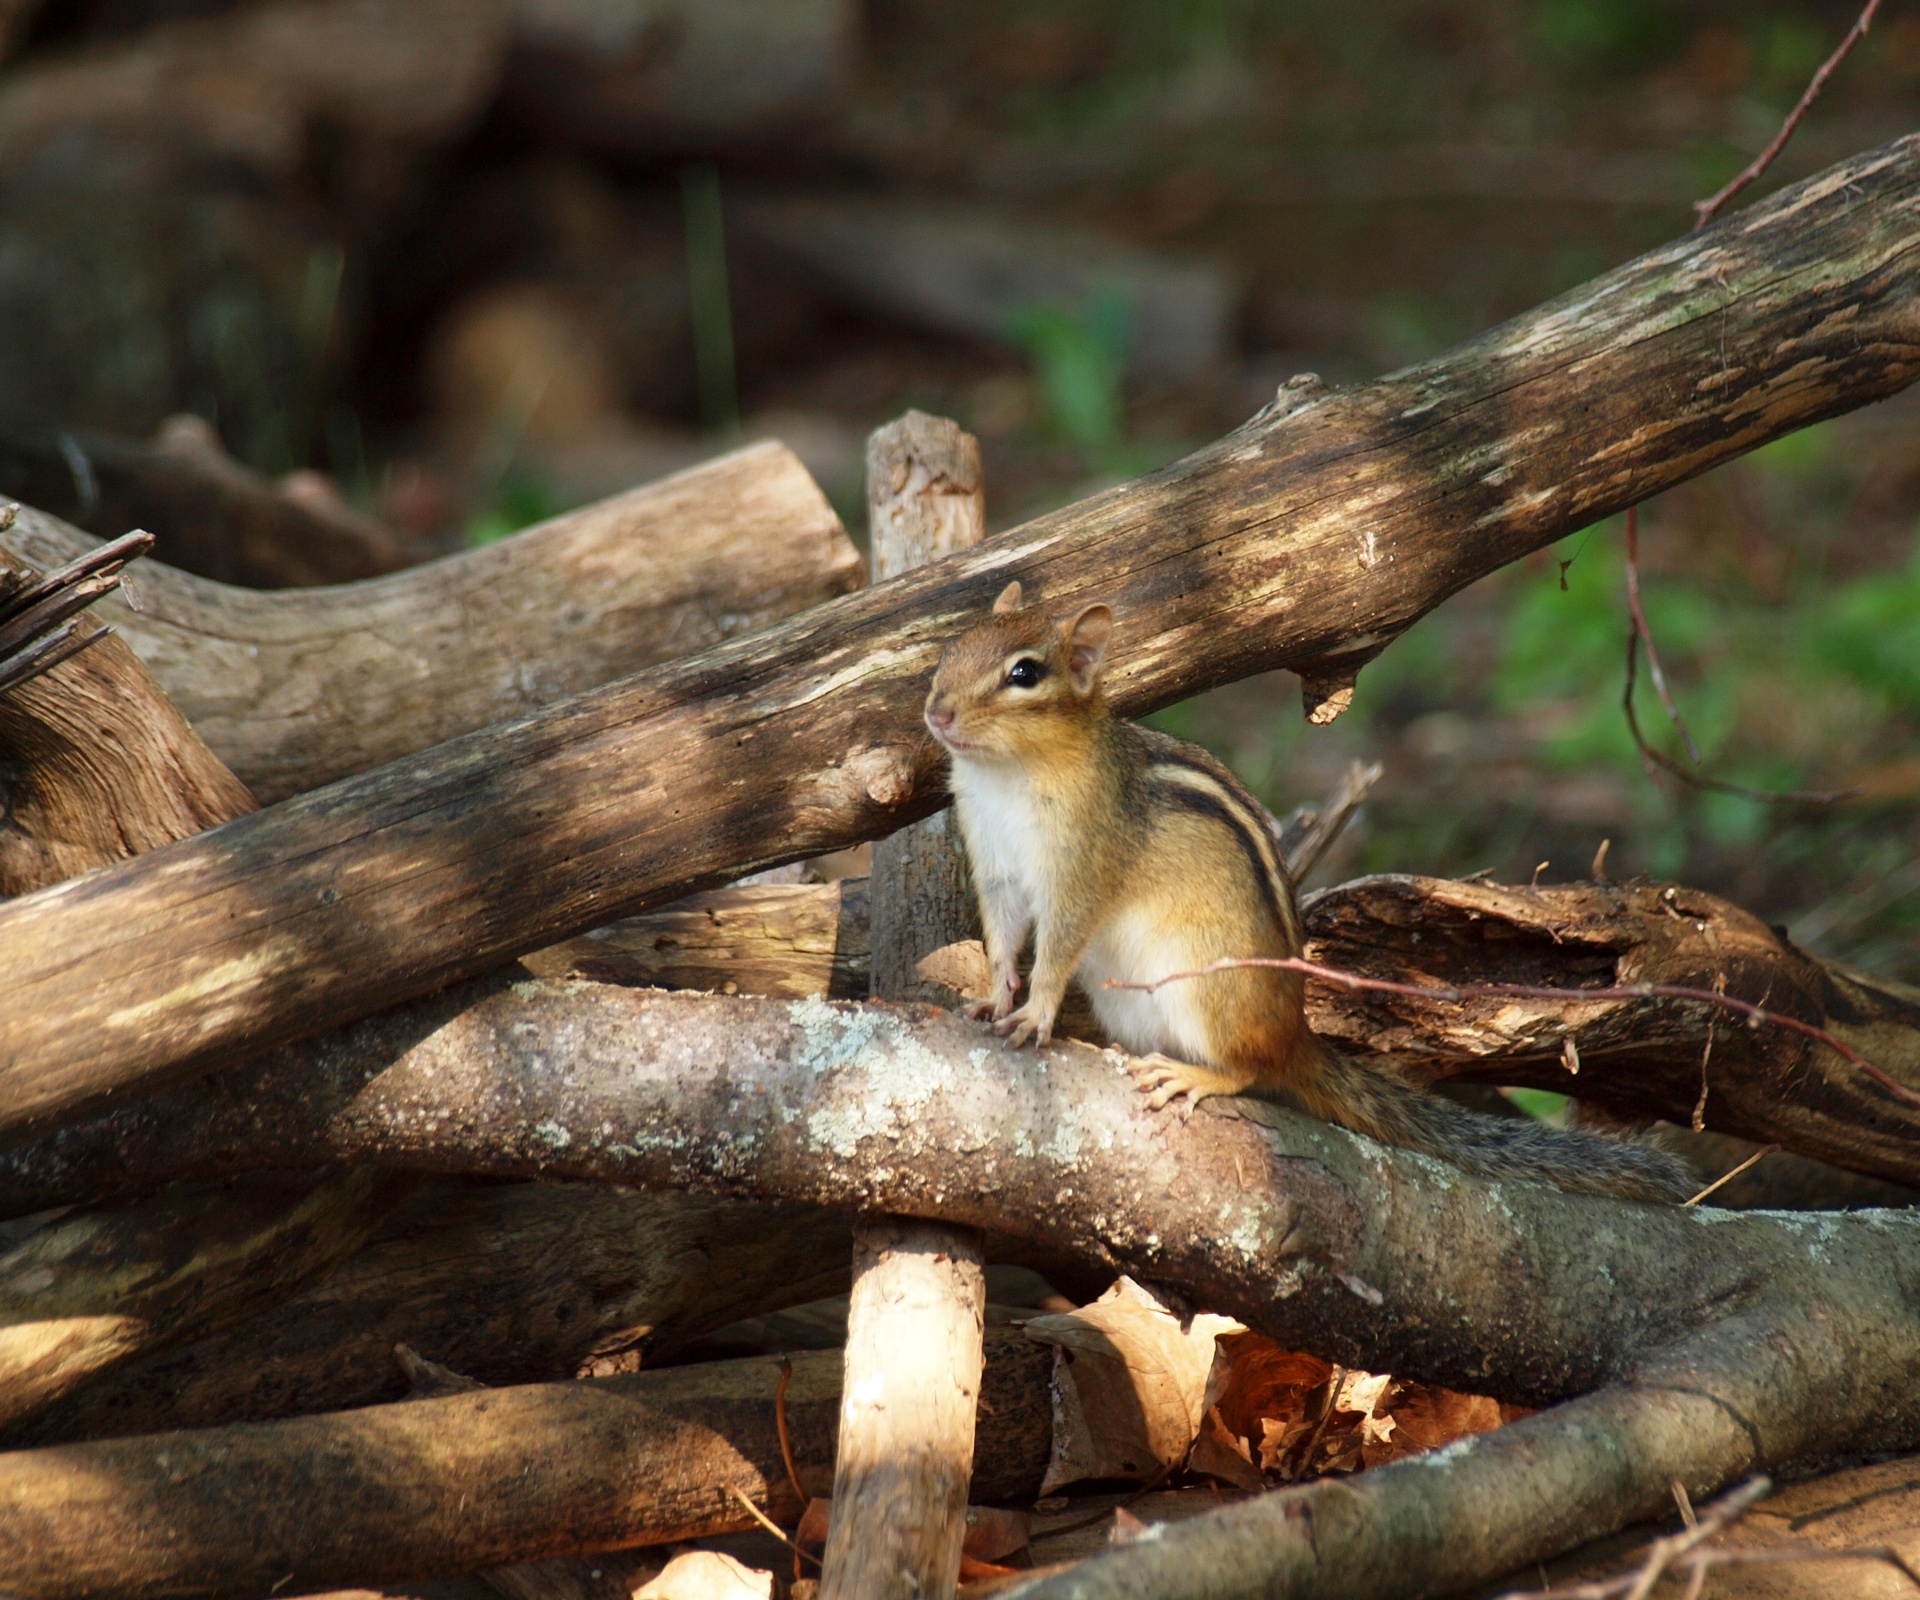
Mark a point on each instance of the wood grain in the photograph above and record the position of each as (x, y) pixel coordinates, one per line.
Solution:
(1311, 537)
(294, 688)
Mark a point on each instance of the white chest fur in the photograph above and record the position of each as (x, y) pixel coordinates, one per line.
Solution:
(997, 805)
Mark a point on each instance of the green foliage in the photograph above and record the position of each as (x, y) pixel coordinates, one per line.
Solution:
(1079, 360)
(1870, 632)
(521, 498)
(1543, 1105)
(1604, 35)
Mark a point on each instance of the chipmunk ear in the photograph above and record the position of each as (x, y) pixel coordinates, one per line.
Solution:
(1009, 599)
(1087, 636)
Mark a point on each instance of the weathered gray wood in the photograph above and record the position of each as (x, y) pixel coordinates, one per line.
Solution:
(390, 1493)
(294, 688)
(794, 939)
(918, 1305)
(926, 500)
(1309, 538)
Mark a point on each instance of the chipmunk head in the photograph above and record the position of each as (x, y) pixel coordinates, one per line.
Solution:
(1009, 687)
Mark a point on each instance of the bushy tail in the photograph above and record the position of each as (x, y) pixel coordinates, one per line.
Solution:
(1372, 1102)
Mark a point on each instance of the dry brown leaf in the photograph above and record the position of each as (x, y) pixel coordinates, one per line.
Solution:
(1129, 1385)
(1218, 1454)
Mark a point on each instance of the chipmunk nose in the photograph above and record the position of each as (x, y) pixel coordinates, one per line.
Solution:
(939, 717)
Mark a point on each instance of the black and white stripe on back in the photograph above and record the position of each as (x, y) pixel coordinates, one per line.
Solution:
(1188, 778)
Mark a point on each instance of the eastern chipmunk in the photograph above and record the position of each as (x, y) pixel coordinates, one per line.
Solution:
(1131, 855)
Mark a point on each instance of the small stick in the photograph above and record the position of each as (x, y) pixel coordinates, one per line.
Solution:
(1638, 634)
(1455, 993)
(1704, 211)
(769, 1524)
(1728, 1177)
(780, 1426)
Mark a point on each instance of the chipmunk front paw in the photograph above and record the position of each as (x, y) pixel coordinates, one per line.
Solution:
(1029, 1022)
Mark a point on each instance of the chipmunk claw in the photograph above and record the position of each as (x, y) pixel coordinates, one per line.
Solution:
(1165, 1081)
(1017, 1027)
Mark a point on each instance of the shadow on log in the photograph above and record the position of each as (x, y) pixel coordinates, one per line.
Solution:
(511, 1283)
(473, 1480)
(1310, 537)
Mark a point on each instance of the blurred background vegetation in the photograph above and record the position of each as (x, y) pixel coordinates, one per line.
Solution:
(475, 261)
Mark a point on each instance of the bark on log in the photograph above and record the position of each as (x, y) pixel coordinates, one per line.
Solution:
(428, 1487)
(294, 690)
(211, 515)
(1726, 1342)
(95, 1288)
(1308, 538)
(511, 1283)
(918, 1305)
(99, 765)
(781, 939)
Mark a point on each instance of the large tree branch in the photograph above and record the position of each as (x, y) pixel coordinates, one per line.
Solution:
(1719, 1342)
(1308, 538)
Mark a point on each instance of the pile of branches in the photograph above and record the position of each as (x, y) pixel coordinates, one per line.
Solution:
(332, 909)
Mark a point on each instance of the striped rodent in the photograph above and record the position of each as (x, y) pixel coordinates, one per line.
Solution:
(1131, 855)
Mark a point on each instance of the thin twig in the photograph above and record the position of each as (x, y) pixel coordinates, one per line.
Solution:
(1455, 993)
(1665, 1552)
(769, 1524)
(1704, 211)
(1728, 1177)
(780, 1425)
(1638, 634)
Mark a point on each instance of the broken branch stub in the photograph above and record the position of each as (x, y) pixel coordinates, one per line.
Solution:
(1318, 534)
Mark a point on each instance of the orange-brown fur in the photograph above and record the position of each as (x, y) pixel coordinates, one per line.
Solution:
(1133, 855)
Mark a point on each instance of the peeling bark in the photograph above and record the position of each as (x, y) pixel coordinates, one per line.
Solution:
(1644, 1058)
(1308, 536)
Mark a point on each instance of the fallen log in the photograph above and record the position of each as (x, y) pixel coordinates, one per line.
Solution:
(98, 1287)
(918, 1301)
(1718, 1343)
(429, 1487)
(513, 1283)
(296, 688)
(782, 939)
(1311, 536)
(103, 766)
(211, 515)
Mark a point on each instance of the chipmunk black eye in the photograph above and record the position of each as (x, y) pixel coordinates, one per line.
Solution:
(1026, 672)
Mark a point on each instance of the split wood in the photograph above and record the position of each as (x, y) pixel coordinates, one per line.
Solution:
(297, 687)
